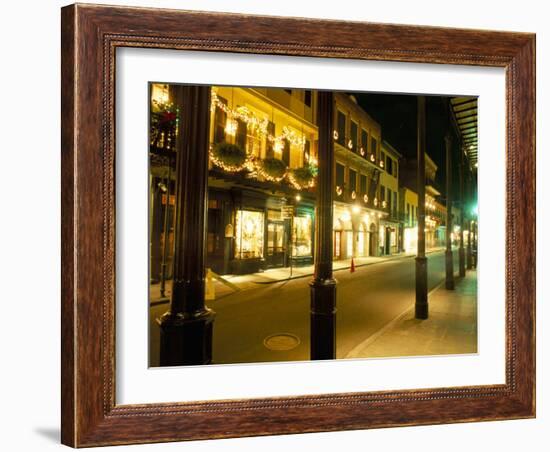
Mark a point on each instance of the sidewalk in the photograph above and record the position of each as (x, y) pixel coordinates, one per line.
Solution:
(450, 329)
(231, 283)
(274, 275)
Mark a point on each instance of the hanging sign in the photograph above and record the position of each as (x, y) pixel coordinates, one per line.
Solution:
(287, 212)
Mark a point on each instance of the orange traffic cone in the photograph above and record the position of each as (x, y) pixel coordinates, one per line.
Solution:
(352, 268)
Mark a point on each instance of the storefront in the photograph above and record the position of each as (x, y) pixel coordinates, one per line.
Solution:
(389, 237)
(255, 233)
(354, 232)
(410, 240)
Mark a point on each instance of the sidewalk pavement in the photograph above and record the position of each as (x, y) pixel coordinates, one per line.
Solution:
(274, 275)
(450, 329)
(231, 283)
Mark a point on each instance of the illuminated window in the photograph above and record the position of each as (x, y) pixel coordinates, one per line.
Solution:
(249, 234)
(301, 240)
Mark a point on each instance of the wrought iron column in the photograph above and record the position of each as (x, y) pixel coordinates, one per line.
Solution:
(461, 257)
(449, 271)
(323, 285)
(186, 329)
(421, 305)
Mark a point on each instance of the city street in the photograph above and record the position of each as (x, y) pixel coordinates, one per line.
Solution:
(368, 300)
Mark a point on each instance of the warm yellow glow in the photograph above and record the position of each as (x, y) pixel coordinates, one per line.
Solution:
(231, 127)
(365, 198)
(356, 209)
(335, 134)
(362, 151)
(159, 93)
(278, 148)
(345, 216)
(339, 190)
(298, 198)
(353, 194)
(366, 218)
(249, 234)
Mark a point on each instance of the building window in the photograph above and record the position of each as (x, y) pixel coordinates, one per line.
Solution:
(395, 204)
(307, 97)
(373, 146)
(249, 234)
(352, 180)
(340, 175)
(301, 240)
(286, 151)
(269, 152)
(220, 119)
(408, 219)
(389, 200)
(341, 128)
(307, 152)
(363, 184)
(382, 193)
(364, 140)
(240, 136)
(353, 137)
(389, 165)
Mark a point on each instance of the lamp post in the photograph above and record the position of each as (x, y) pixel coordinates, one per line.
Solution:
(186, 328)
(166, 231)
(449, 272)
(323, 285)
(421, 304)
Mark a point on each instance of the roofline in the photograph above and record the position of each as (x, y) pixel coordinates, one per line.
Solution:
(391, 148)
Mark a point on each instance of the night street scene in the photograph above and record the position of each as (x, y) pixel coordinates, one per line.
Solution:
(295, 224)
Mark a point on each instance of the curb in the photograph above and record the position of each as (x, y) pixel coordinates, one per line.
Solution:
(345, 268)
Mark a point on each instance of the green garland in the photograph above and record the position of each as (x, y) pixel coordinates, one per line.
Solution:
(274, 168)
(229, 154)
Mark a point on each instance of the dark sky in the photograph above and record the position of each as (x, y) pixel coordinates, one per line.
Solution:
(397, 116)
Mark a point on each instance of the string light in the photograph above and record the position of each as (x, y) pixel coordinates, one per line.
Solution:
(244, 114)
(339, 190)
(365, 198)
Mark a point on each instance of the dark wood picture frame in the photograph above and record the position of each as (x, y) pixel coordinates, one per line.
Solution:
(90, 36)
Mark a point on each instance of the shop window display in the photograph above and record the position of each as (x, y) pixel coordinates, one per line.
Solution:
(301, 243)
(249, 234)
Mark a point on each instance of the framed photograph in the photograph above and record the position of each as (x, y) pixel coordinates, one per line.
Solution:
(283, 225)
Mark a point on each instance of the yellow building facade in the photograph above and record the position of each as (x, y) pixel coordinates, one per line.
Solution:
(358, 167)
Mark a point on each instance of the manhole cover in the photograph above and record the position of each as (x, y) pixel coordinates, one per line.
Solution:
(281, 342)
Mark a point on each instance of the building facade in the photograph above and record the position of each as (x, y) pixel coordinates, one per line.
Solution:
(391, 226)
(409, 208)
(358, 207)
(261, 181)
